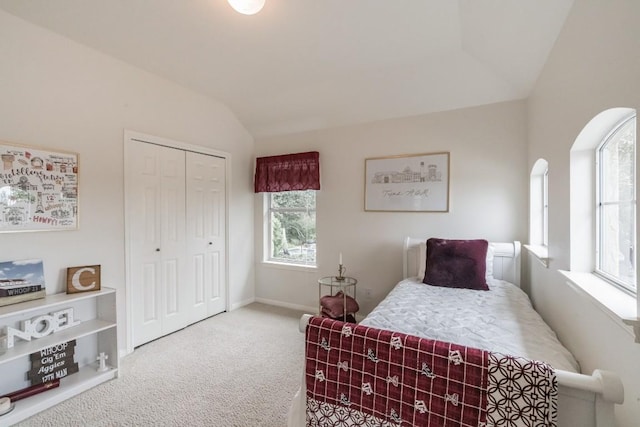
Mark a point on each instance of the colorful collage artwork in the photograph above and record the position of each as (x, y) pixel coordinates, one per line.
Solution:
(38, 189)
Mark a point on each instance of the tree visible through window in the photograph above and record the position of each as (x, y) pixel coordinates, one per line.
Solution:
(292, 227)
(616, 213)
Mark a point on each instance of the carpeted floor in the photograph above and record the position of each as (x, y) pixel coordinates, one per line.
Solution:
(236, 369)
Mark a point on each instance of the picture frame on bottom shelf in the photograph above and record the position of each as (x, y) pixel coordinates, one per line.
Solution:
(21, 280)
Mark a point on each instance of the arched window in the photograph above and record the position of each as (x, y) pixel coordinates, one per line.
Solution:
(539, 204)
(545, 207)
(539, 210)
(603, 213)
(616, 205)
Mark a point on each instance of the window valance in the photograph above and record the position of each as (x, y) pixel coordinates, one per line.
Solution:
(289, 172)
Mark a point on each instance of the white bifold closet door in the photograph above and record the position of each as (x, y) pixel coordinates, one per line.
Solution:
(206, 235)
(177, 238)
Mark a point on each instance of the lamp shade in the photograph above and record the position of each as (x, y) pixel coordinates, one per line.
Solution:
(247, 7)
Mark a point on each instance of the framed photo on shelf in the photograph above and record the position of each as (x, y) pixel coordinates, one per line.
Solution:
(21, 280)
(38, 189)
(407, 183)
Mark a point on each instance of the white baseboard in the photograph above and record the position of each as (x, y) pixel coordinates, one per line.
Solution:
(304, 308)
(242, 304)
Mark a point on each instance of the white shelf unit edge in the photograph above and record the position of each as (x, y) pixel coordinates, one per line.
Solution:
(88, 327)
(50, 301)
(88, 376)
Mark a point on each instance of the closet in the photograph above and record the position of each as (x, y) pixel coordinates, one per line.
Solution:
(176, 236)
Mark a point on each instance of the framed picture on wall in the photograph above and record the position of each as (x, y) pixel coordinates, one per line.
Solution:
(407, 183)
(38, 189)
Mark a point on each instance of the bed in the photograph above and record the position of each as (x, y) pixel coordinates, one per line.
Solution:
(494, 328)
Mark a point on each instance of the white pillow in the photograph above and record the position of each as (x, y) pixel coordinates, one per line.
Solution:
(422, 260)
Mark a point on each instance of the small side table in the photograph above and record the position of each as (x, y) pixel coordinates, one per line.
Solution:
(345, 284)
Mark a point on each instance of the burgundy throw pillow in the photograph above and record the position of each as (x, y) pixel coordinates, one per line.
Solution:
(333, 306)
(457, 263)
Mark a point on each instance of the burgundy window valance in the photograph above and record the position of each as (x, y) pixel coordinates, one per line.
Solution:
(289, 172)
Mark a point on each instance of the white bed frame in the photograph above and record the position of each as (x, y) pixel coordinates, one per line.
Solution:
(584, 400)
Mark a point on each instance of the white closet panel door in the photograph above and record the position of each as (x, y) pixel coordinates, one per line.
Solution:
(206, 237)
(144, 205)
(157, 240)
(173, 238)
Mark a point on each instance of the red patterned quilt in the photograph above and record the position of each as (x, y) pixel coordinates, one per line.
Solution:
(361, 376)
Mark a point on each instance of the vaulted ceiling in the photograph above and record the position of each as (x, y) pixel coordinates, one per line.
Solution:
(310, 64)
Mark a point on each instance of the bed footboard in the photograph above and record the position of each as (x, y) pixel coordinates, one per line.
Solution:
(588, 400)
(585, 400)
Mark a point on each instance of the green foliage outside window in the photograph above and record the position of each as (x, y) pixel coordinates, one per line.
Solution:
(293, 226)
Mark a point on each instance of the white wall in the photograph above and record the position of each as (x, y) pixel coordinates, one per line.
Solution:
(488, 199)
(595, 65)
(58, 94)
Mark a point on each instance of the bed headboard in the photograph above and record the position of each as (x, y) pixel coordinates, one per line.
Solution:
(506, 259)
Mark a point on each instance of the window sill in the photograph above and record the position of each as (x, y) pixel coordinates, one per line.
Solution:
(540, 252)
(287, 266)
(620, 306)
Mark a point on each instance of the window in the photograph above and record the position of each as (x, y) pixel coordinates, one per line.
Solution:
(603, 231)
(545, 207)
(292, 227)
(539, 211)
(290, 182)
(539, 204)
(616, 206)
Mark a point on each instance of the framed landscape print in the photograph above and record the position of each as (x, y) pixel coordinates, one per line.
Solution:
(38, 189)
(407, 183)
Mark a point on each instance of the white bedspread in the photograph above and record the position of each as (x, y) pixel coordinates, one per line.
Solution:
(500, 320)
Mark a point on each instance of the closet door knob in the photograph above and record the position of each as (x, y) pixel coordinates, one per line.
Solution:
(211, 243)
(157, 249)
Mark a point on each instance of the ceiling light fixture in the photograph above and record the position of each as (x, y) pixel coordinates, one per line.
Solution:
(247, 7)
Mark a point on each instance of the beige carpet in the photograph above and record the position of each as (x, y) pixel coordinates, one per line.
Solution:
(236, 369)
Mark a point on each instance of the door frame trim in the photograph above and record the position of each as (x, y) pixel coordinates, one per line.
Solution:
(131, 137)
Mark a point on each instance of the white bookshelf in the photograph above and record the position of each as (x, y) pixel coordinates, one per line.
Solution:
(96, 332)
